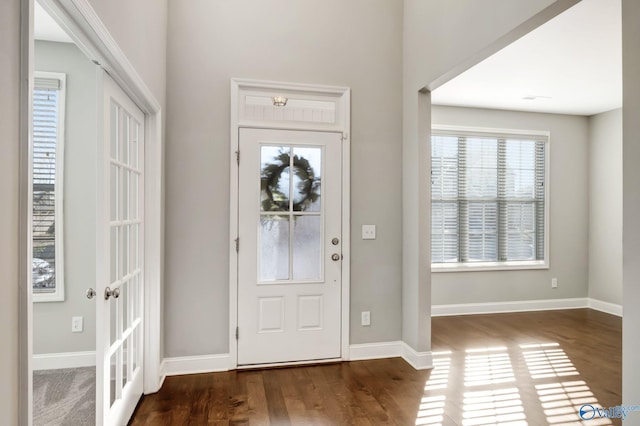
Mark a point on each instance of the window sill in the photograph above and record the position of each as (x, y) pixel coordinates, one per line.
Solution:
(488, 266)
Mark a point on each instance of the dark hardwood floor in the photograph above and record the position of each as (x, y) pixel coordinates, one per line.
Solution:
(503, 369)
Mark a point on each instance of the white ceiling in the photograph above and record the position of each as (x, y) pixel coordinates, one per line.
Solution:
(45, 28)
(570, 65)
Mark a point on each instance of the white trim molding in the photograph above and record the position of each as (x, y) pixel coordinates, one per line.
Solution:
(525, 306)
(504, 307)
(90, 35)
(418, 360)
(606, 307)
(365, 351)
(195, 364)
(250, 108)
(56, 361)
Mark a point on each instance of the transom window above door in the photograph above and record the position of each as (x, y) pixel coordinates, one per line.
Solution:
(488, 199)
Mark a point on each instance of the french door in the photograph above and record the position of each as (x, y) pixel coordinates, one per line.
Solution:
(120, 272)
(289, 248)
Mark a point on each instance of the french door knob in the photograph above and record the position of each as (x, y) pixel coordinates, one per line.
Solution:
(91, 293)
(115, 293)
(335, 257)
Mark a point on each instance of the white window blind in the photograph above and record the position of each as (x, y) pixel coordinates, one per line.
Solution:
(48, 119)
(487, 197)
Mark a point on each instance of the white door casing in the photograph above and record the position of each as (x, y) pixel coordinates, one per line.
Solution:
(308, 107)
(290, 235)
(120, 258)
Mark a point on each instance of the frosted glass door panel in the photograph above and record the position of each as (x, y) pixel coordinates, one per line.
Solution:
(307, 243)
(274, 249)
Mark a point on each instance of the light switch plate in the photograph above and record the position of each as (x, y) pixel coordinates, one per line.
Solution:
(368, 232)
(77, 324)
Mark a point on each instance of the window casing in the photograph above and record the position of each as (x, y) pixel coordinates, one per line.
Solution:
(488, 199)
(48, 181)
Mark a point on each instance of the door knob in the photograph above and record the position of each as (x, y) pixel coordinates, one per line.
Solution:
(91, 293)
(115, 293)
(335, 257)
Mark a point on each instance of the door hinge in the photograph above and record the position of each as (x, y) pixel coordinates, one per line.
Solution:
(237, 240)
(238, 157)
(237, 332)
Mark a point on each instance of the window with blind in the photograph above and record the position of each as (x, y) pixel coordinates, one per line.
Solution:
(48, 156)
(488, 199)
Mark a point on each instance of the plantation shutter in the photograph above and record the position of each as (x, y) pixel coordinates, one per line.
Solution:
(444, 193)
(488, 197)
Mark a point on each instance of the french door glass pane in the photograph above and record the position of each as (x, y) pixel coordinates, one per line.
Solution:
(125, 353)
(125, 250)
(115, 324)
(124, 305)
(307, 240)
(135, 348)
(274, 248)
(115, 193)
(125, 193)
(115, 113)
(114, 276)
(125, 139)
(113, 364)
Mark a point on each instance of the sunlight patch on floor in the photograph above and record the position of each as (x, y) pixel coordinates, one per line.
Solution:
(547, 360)
(561, 403)
(431, 411)
(492, 393)
(493, 407)
(488, 366)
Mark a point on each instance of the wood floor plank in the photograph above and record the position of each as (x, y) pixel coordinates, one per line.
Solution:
(535, 367)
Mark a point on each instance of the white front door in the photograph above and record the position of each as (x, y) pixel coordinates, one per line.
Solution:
(120, 273)
(290, 239)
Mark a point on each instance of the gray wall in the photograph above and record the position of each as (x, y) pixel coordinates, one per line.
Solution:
(568, 214)
(9, 218)
(354, 43)
(435, 50)
(605, 207)
(52, 320)
(140, 30)
(631, 204)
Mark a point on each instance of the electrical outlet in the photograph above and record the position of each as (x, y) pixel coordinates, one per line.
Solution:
(368, 232)
(76, 324)
(554, 283)
(366, 318)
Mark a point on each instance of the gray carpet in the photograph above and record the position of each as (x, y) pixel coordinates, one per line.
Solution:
(64, 397)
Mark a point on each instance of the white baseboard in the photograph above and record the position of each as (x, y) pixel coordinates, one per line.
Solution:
(194, 364)
(504, 307)
(418, 360)
(609, 308)
(64, 360)
(366, 351)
